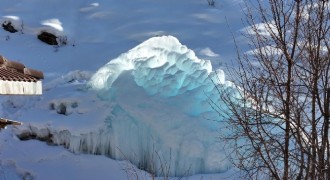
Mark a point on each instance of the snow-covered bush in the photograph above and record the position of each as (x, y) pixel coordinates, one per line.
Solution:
(52, 33)
(12, 24)
(211, 2)
(65, 106)
(9, 27)
(29, 131)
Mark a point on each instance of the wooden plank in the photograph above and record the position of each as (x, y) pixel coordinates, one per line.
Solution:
(4, 122)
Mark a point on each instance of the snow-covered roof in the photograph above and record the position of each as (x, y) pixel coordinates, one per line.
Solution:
(15, 78)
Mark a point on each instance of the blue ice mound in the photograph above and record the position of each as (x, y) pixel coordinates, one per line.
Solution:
(160, 91)
(161, 65)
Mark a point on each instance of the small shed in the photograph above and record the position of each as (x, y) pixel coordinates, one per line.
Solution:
(16, 79)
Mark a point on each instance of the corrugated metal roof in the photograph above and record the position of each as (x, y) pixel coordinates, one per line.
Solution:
(15, 71)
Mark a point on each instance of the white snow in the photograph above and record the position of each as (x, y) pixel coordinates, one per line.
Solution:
(149, 99)
(208, 52)
(91, 7)
(262, 29)
(53, 23)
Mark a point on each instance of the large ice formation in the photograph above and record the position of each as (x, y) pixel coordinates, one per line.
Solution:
(160, 65)
(160, 118)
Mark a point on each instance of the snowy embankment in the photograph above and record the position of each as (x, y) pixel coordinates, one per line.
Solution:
(150, 107)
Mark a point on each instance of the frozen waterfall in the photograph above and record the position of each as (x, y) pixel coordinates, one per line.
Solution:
(160, 90)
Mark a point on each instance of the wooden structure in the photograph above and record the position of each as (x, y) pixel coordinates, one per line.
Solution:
(16, 79)
(4, 122)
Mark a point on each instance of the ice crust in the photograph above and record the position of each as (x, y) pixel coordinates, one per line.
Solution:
(162, 92)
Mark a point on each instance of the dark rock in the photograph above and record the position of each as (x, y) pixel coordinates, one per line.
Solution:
(9, 27)
(52, 106)
(62, 109)
(27, 136)
(48, 38)
(74, 105)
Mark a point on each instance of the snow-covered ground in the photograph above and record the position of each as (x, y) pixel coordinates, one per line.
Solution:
(146, 101)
